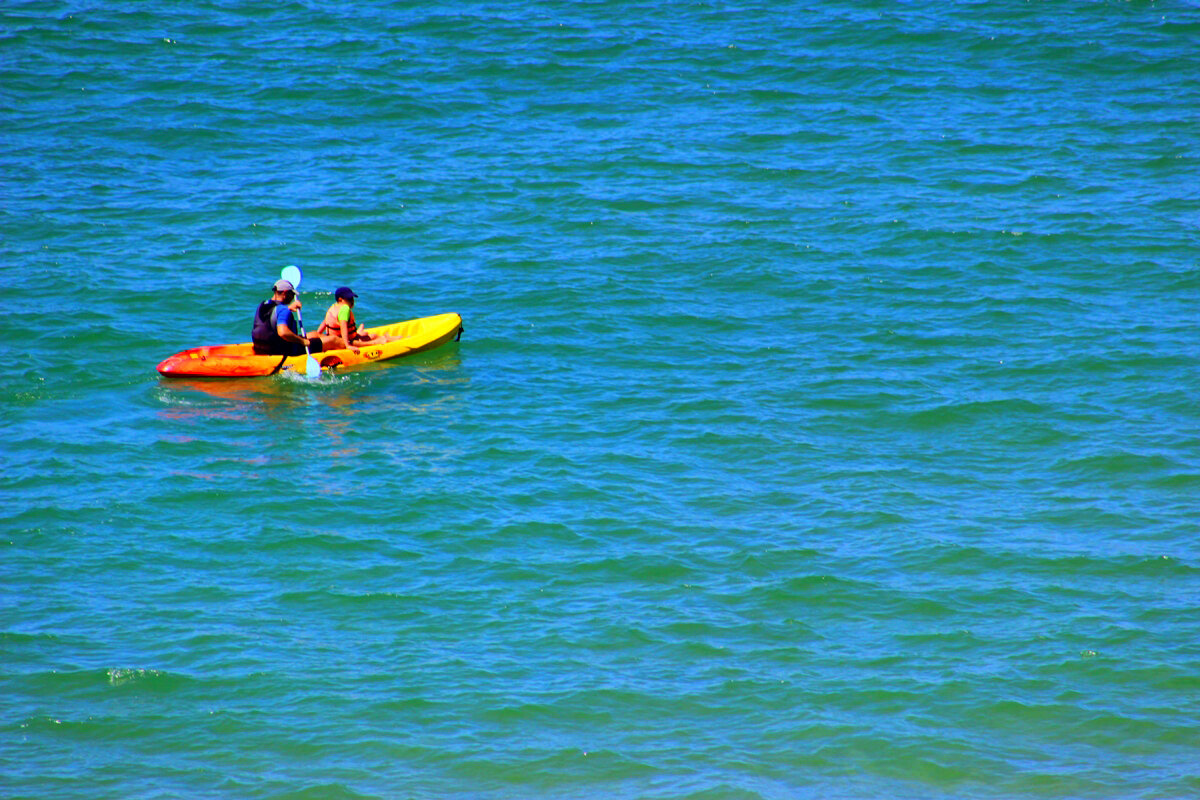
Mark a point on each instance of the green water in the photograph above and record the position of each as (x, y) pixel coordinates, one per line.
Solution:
(825, 424)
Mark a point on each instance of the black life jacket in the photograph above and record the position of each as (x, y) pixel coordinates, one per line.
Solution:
(264, 331)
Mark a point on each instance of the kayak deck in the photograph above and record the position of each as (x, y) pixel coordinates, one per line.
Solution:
(240, 360)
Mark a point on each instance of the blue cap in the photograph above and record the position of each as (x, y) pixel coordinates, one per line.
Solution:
(344, 293)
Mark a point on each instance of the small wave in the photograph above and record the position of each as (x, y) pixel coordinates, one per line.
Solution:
(324, 791)
(1120, 465)
(967, 413)
(73, 682)
(121, 676)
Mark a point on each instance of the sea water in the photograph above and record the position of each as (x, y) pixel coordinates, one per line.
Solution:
(825, 424)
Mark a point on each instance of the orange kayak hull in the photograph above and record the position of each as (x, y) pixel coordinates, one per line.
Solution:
(240, 360)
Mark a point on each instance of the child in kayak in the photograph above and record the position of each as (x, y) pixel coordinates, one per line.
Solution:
(339, 321)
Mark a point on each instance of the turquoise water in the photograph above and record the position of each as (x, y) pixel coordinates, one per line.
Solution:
(825, 424)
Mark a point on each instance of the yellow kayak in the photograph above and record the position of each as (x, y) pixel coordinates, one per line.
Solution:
(240, 360)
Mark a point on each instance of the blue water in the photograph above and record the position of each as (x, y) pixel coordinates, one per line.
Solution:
(825, 424)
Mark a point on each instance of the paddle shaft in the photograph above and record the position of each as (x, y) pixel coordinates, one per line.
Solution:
(311, 367)
(300, 325)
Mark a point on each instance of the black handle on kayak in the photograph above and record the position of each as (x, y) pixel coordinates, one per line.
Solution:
(278, 366)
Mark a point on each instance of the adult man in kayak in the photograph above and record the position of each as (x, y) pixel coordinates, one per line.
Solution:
(274, 331)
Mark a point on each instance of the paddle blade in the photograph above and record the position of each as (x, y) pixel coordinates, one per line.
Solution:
(312, 369)
(291, 274)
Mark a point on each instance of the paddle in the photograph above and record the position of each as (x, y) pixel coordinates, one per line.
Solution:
(312, 369)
